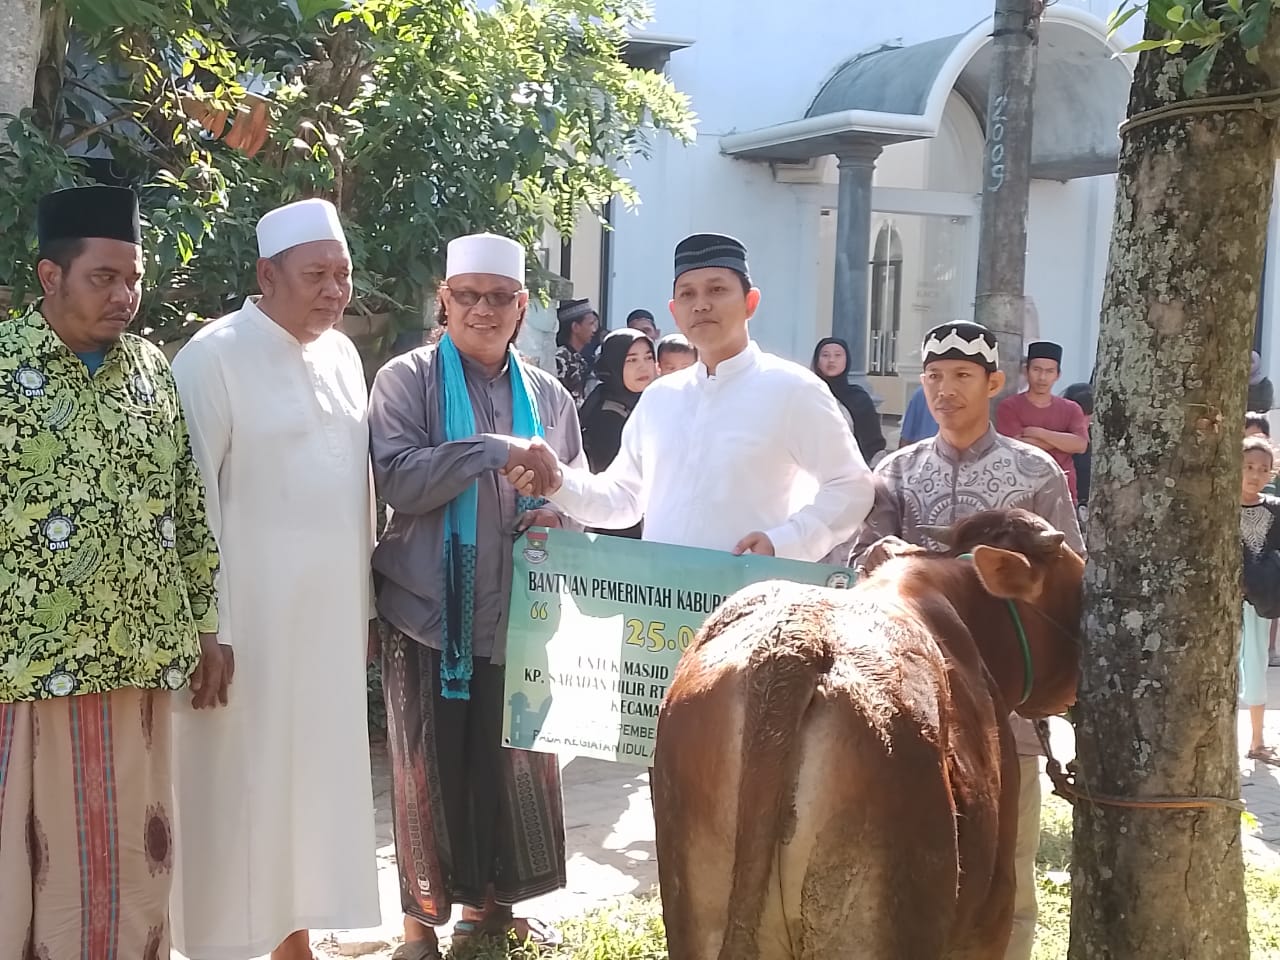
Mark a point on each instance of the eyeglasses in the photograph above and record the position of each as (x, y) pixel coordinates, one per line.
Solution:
(494, 298)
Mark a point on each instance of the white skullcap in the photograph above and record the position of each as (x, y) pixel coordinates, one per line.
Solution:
(302, 222)
(486, 253)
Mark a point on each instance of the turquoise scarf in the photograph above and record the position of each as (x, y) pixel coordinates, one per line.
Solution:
(460, 514)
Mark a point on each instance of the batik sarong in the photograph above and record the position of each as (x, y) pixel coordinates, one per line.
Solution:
(470, 815)
(86, 843)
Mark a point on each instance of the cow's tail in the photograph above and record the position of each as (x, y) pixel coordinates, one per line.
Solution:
(782, 675)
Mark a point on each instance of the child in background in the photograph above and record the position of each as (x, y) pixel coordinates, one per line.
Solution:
(1257, 425)
(675, 353)
(1260, 534)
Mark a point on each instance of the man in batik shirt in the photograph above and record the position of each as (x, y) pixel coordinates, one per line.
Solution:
(106, 598)
(575, 369)
(965, 469)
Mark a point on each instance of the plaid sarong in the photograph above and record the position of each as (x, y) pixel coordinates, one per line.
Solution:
(86, 841)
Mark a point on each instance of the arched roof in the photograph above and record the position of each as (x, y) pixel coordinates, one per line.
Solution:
(899, 93)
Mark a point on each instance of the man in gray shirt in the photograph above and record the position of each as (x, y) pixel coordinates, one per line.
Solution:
(965, 469)
(475, 823)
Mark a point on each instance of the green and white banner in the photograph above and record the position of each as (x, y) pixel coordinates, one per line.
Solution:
(597, 626)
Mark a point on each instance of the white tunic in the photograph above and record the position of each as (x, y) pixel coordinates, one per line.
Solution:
(707, 459)
(274, 823)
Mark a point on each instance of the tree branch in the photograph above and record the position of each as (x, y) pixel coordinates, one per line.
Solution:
(88, 132)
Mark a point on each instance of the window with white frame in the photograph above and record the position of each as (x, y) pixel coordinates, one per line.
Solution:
(886, 302)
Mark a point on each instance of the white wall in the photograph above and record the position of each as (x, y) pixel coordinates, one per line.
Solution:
(1062, 269)
(1271, 295)
(758, 62)
(753, 63)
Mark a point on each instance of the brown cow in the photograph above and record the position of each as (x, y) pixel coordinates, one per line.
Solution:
(834, 774)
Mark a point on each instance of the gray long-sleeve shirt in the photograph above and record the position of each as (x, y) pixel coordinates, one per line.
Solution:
(418, 473)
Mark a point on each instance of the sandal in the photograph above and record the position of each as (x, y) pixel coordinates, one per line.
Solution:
(465, 930)
(418, 950)
(524, 930)
(1264, 755)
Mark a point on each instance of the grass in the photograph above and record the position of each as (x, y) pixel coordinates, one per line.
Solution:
(632, 930)
(1053, 929)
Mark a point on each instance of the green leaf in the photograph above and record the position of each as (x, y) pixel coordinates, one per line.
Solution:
(1256, 21)
(1197, 75)
(1142, 45)
(1121, 17)
(312, 9)
(1176, 14)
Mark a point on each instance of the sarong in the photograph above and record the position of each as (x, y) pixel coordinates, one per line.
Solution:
(470, 815)
(86, 843)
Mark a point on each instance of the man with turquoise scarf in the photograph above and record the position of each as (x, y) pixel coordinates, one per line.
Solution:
(475, 823)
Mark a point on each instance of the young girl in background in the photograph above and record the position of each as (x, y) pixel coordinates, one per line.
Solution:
(1260, 534)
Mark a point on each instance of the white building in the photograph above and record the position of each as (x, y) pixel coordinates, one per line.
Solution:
(810, 113)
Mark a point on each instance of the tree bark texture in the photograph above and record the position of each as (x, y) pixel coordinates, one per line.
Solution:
(19, 54)
(1157, 711)
(1002, 245)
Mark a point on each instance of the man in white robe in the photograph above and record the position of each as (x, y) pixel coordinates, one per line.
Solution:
(274, 826)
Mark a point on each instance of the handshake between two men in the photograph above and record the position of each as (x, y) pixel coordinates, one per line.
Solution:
(532, 467)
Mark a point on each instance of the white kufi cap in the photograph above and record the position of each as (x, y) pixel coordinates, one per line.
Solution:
(486, 253)
(295, 223)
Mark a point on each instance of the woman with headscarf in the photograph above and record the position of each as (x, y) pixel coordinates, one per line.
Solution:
(624, 367)
(1261, 394)
(831, 363)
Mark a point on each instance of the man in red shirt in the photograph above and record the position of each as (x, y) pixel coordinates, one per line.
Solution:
(1054, 424)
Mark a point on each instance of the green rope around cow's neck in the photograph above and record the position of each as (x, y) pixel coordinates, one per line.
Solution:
(1028, 677)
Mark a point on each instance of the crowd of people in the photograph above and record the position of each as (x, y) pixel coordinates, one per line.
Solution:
(192, 585)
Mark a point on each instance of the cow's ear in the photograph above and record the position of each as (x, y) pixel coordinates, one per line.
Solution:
(1005, 574)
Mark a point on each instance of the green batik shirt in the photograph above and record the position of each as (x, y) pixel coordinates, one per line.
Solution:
(106, 559)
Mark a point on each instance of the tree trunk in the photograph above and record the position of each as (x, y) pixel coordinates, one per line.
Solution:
(1157, 712)
(19, 54)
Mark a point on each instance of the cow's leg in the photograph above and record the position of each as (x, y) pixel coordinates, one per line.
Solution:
(695, 786)
(871, 870)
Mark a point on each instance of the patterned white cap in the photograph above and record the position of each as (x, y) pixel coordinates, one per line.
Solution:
(961, 340)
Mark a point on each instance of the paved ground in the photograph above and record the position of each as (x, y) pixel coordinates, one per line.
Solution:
(609, 829)
(1261, 783)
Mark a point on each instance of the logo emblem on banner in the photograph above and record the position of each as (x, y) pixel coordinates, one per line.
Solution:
(840, 580)
(535, 550)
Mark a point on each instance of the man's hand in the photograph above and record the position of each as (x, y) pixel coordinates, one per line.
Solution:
(213, 675)
(757, 543)
(532, 468)
(542, 517)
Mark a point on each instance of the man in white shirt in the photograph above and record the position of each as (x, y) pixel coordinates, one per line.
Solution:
(743, 451)
(274, 827)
